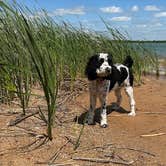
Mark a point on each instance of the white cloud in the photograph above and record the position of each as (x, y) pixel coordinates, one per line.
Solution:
(73, 11)
(59, 12)
(111, 9)
(151, 8)
(161, 14)
(141, 25)
(121, 18)
(158, 25)
(135, 8)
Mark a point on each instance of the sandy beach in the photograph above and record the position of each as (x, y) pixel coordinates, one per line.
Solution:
(140, 139)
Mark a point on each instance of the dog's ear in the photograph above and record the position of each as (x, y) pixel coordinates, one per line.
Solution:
(92, 65)
(110, 61)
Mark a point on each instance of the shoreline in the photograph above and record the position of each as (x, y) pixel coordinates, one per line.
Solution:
(160, 71)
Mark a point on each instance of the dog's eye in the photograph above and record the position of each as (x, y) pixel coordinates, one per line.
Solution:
(109, 61)
(101, 60)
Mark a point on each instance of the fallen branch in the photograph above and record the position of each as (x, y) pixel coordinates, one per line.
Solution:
(98, 160)
(141, 113)
(18, 110)
(56, 164)
(56, 154)
(39, 142)
(92, 148)
(20, 119)
(153, 135)
(138, 150)
(152, 113)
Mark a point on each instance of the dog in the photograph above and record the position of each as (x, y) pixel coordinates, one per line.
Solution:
(104, 76)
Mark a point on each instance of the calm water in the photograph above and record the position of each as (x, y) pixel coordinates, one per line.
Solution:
(160, 50)
(157, 47)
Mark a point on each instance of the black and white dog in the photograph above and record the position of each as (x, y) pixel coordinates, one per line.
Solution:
(105, 76)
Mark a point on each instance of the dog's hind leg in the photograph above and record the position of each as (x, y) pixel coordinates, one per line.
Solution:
(129, 91)
(119, 98)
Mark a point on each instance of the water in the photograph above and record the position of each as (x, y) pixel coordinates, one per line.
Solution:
(158, 47)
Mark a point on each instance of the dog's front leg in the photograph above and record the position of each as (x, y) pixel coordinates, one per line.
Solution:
(91, 112)
(103, 120)
(104, 90)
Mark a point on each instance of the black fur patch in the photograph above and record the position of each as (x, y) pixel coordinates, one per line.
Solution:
(131, 77)
(110, 62)
(117, 76)
(92, 65)
(123, 75)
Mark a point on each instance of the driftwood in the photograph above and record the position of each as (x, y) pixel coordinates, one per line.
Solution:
(153, 135)
(98, 160)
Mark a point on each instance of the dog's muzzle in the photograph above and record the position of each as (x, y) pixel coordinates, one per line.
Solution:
(104, 72)
(108, 70)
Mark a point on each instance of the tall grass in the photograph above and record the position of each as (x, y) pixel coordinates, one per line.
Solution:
(48, 52)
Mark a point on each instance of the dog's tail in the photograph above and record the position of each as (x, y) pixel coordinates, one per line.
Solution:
(128, 61)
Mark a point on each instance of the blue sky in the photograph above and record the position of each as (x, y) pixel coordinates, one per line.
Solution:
(142, 19)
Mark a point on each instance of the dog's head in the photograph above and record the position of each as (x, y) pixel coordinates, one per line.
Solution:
(99, 66)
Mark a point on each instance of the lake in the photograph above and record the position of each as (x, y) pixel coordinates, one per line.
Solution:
(158, 47)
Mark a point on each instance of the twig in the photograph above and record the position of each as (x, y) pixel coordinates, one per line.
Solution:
(153, 135)
(138, 150)
(152, 113)
(42, 139)
(21, 118)
(141, 113)
(69, 162)
(92, 148)
(18, 110)
(56, 154)
(98, 160)
(39, 142)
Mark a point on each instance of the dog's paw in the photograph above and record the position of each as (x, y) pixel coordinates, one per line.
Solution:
(115, 106)
(132, 114)
(104, 125)
(90, 122)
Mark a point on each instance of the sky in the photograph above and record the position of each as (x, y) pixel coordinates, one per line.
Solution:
(141, 19)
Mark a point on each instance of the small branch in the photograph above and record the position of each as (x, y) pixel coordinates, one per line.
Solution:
(152, 113)
(18, 110)
(153, 135)
(141, 113)
(56, 154)
(98, 160)
(138, 150)
(92, 148)
(20, 119)
(56, 164)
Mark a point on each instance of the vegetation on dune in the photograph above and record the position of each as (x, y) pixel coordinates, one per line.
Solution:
(44, 51)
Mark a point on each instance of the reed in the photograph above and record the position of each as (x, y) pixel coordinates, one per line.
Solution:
(47, 52)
